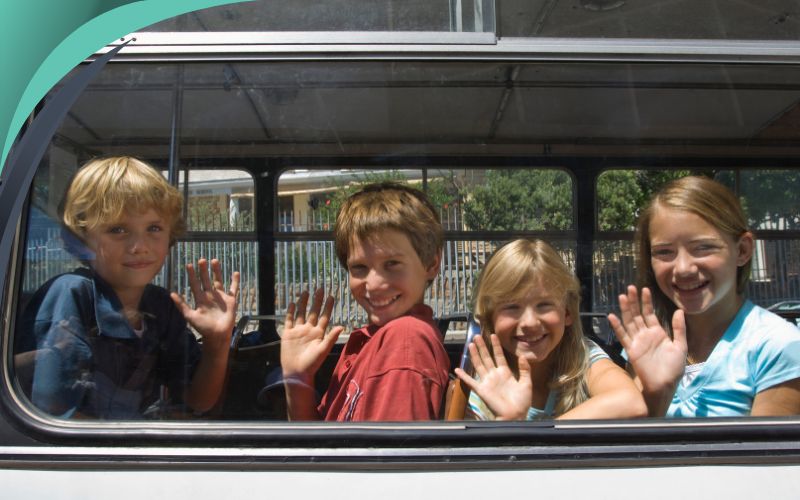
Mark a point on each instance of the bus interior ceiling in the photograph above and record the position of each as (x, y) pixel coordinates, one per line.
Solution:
(493, 108)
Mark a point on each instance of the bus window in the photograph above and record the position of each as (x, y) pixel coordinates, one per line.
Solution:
(509, 139)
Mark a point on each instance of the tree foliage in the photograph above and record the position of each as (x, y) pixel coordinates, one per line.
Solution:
(520, 200)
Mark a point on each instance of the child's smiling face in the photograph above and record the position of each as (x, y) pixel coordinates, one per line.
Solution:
(694, 263)
(129, 252)
(533, 325)
(387, 277)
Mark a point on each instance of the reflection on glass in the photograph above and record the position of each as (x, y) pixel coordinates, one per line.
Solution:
(338, 15)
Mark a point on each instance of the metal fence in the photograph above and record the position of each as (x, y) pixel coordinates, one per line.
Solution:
(304, 265)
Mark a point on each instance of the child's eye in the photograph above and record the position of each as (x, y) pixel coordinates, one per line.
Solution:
(393, 263)
(116, 230)
(661, 252)
(357, 270)
(706, 247)
(155, 228)
(509, 307)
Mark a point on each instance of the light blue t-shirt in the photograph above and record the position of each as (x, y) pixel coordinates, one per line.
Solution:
(758, 350)
(482, 412)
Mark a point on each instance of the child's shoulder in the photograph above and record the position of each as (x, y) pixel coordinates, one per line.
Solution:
(67, 283)
(763, 329)
(756, 318)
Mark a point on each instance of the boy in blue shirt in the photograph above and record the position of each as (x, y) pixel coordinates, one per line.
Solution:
(109, 344)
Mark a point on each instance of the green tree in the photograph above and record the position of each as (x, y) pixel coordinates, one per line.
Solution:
(771, 198)
(520, 200)
(622, 194)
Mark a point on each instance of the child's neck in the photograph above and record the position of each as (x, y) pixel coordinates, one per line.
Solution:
(703, 331)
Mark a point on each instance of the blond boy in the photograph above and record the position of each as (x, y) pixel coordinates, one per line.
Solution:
(110, 344)
(389, 238)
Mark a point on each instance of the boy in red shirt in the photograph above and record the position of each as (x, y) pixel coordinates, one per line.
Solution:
(389, 238)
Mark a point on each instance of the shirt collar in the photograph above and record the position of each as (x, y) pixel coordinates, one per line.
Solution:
(420, 311)
(108, 310)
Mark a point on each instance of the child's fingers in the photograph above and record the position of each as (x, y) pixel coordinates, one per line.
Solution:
(202, 266)
(316, 306)
(619, 330)
(234, 290)
(300, 314)
(524, 368)
(330, 339)
(469, 381)
(194, 285)
(181, 304)
(289, 321)
(486, 357)
(679, 329)
(633, 299)
(216, 275)
(497, 349)
(475, 358)
(327, 312)
(628, 306)
(648, 311)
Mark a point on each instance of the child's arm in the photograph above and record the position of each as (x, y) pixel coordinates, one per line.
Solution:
(213, 317)
(659, 362)
(612, 394)
(778, 400)
(508, 397)
(304, 346)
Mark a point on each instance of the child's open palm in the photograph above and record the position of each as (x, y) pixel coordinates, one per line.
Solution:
(507, 396)
(214, 313)
(304, 344)
(658, 360)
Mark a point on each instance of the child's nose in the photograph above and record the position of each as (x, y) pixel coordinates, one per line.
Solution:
(529, 319)
(375, 280)
(684, 263)
(137, 244)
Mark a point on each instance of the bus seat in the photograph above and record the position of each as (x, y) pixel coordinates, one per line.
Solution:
(456, 396)
(253, 350)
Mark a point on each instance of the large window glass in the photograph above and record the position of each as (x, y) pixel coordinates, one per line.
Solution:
(265, 151)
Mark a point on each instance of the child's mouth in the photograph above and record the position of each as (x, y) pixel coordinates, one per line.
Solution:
(690, 287)
(382, 303)
(138, 265)
(531, 341)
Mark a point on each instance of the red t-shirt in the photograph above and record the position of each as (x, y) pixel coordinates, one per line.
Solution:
(394, 372)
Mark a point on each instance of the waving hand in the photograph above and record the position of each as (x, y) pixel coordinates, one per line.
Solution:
(658, 360)
(508, 397)
(304, 344)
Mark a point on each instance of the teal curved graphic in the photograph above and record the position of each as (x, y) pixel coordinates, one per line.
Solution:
(42, 40)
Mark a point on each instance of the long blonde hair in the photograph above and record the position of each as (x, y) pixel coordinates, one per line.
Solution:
(508, 275)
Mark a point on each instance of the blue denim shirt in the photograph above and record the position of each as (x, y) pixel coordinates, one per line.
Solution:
(90, 361)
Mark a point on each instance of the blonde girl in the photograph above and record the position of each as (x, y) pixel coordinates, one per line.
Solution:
(698, 347)
(539, 365)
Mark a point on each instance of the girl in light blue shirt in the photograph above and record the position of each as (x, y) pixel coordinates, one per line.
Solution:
(698, 347)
